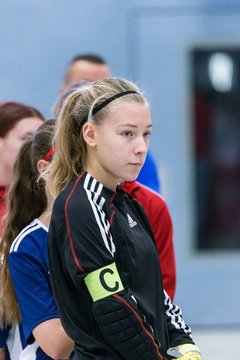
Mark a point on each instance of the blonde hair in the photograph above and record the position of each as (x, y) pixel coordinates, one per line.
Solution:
(70, 156)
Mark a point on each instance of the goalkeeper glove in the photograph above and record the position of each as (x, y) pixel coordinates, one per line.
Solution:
(185, 352)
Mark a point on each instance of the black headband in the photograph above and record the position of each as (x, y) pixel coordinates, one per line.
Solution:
(106, 102)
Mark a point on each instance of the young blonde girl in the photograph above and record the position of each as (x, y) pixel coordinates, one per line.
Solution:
(103, 260)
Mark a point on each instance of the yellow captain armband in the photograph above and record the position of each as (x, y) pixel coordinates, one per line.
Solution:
(103, 282)
(185, 352)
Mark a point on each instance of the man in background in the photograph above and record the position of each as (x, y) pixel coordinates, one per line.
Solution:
(89, 67)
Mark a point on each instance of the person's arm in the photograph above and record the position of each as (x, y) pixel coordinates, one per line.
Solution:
(159, 217)
(182, 346)
(179, 332)
(40, 319)
(161, 223)
(52, 338)
(181, 343)
(2, 354)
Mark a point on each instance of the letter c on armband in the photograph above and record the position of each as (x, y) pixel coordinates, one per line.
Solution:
(103, 282)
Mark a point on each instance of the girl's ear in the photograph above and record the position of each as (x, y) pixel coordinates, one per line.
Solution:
(88, 132)
(42, 166)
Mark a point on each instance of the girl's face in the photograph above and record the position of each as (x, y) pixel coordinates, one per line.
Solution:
(120, 144)
(12, 142)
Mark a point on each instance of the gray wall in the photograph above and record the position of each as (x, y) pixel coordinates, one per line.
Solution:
(147, 41)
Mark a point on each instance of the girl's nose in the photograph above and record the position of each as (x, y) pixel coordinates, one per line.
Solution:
(141, 146)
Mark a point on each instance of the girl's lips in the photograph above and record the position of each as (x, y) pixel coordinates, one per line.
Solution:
(136, 164)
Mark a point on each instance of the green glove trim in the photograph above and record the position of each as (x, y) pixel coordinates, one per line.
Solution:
(104, 282)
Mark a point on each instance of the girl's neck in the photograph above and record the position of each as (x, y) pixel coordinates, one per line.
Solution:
(45, 217)
(102, 177)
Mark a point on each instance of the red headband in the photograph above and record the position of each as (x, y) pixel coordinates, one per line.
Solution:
(49, 153)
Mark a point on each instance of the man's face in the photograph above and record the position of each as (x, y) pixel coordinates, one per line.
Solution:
(85, 70)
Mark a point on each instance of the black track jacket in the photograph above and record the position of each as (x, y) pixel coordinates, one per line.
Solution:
(95, 228)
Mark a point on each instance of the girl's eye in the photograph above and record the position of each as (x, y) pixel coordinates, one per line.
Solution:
(147, 134)
(127, 133)
(25, 137)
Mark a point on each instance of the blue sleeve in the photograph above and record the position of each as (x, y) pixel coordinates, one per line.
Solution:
(30, 277)
(148, 175)
(3, 336)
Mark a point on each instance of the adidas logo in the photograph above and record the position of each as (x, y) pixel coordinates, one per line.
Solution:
(131, 222)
